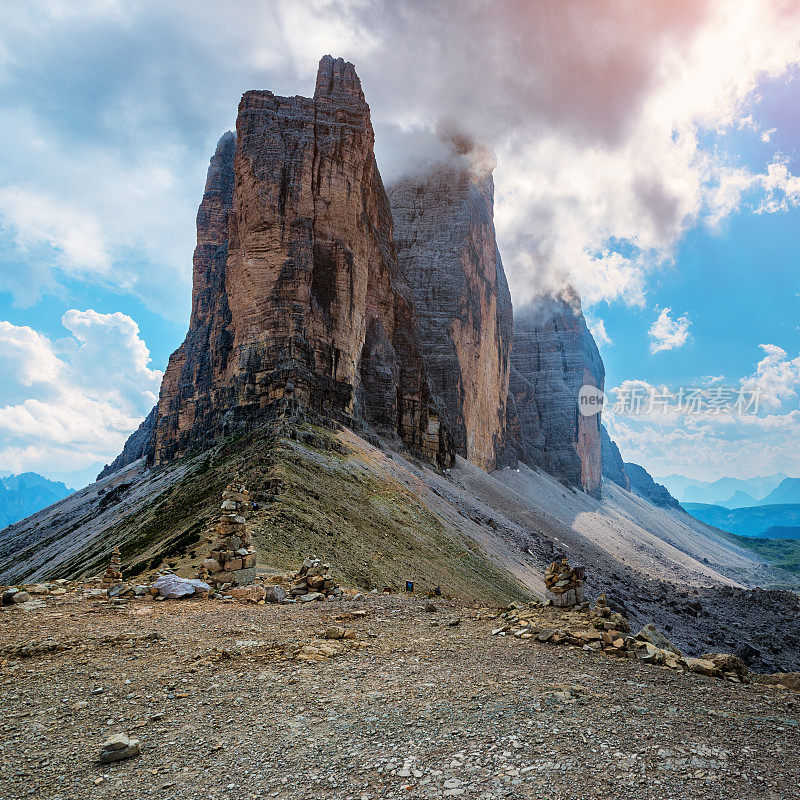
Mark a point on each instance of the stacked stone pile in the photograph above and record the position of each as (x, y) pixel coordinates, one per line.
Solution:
(232, 561)
(564, 584)
(113, 575)
(611, 620)
(605, 631)
(313, 582)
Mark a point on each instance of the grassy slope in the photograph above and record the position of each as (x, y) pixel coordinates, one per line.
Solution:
(348, 509)
(784, 553)
(316, 496)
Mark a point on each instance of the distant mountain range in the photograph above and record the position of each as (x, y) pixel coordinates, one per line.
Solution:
(25, 494)
(728, 492)
(773, 521)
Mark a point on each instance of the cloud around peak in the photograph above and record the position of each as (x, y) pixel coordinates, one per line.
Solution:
(595, 111)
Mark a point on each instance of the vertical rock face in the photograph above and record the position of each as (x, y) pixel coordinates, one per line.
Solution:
(193, 381)
(613, 466)
(298, 297)
(552, 356)
(445, 238)
(643, 484)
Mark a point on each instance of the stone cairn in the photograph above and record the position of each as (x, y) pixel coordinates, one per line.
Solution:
(113, 575)
(232, 561)
(564, 584)
(312, 582)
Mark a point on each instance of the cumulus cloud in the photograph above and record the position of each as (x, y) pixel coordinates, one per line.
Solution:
(71, 403)
(596, 112)
(776, 378)
(667, 333)
(660, 427)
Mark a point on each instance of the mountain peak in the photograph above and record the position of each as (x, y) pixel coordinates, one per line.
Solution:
(337, 77)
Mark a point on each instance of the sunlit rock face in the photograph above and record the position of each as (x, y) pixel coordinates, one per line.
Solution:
(298, 298)
(445, 238)
(553, 355)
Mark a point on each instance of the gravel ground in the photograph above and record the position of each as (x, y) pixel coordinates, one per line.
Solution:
(423, 708)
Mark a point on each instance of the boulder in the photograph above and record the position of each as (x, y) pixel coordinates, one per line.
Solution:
(790, 680)
(702, 666)
(248, 594)
(727, 662)
(275, 594)
(649, 633)
(118, 748)
(173, 586)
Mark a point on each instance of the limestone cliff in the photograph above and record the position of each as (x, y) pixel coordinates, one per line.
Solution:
(553, 355)
(643, 484)
(445, 238)
(298, 299)
(613, 466)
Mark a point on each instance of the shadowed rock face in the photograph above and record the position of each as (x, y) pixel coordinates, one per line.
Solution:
(552, 356)
(298, 298)
(613, 466)
(643, 484)
(445, 238)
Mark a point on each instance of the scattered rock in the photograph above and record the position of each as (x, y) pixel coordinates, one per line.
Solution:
(248, 594)
(649, 633)
(791, 680)
(172, 587)
(313, 578)
(118, 748)
(275, 594)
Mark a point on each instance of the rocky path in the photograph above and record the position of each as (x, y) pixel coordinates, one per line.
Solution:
(429, 705)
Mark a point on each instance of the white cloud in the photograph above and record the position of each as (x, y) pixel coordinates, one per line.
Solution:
(597, 327)
(762, 440)
(667, 333)
(596, 111)
(81, 396)
(776, 379)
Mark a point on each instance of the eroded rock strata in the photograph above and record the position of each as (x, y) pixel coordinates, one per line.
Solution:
(445, 238)
(553, 355)
(298, 298)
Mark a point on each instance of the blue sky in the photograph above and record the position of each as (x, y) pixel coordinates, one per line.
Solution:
(653, 167)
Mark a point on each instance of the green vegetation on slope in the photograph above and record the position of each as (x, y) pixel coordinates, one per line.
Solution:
(347, 508)
(783, 553)
(316, 495)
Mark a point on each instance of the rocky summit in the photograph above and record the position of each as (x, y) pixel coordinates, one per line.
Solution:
(317, 295)
(444, 232)
(298, 300)
(552, 357)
